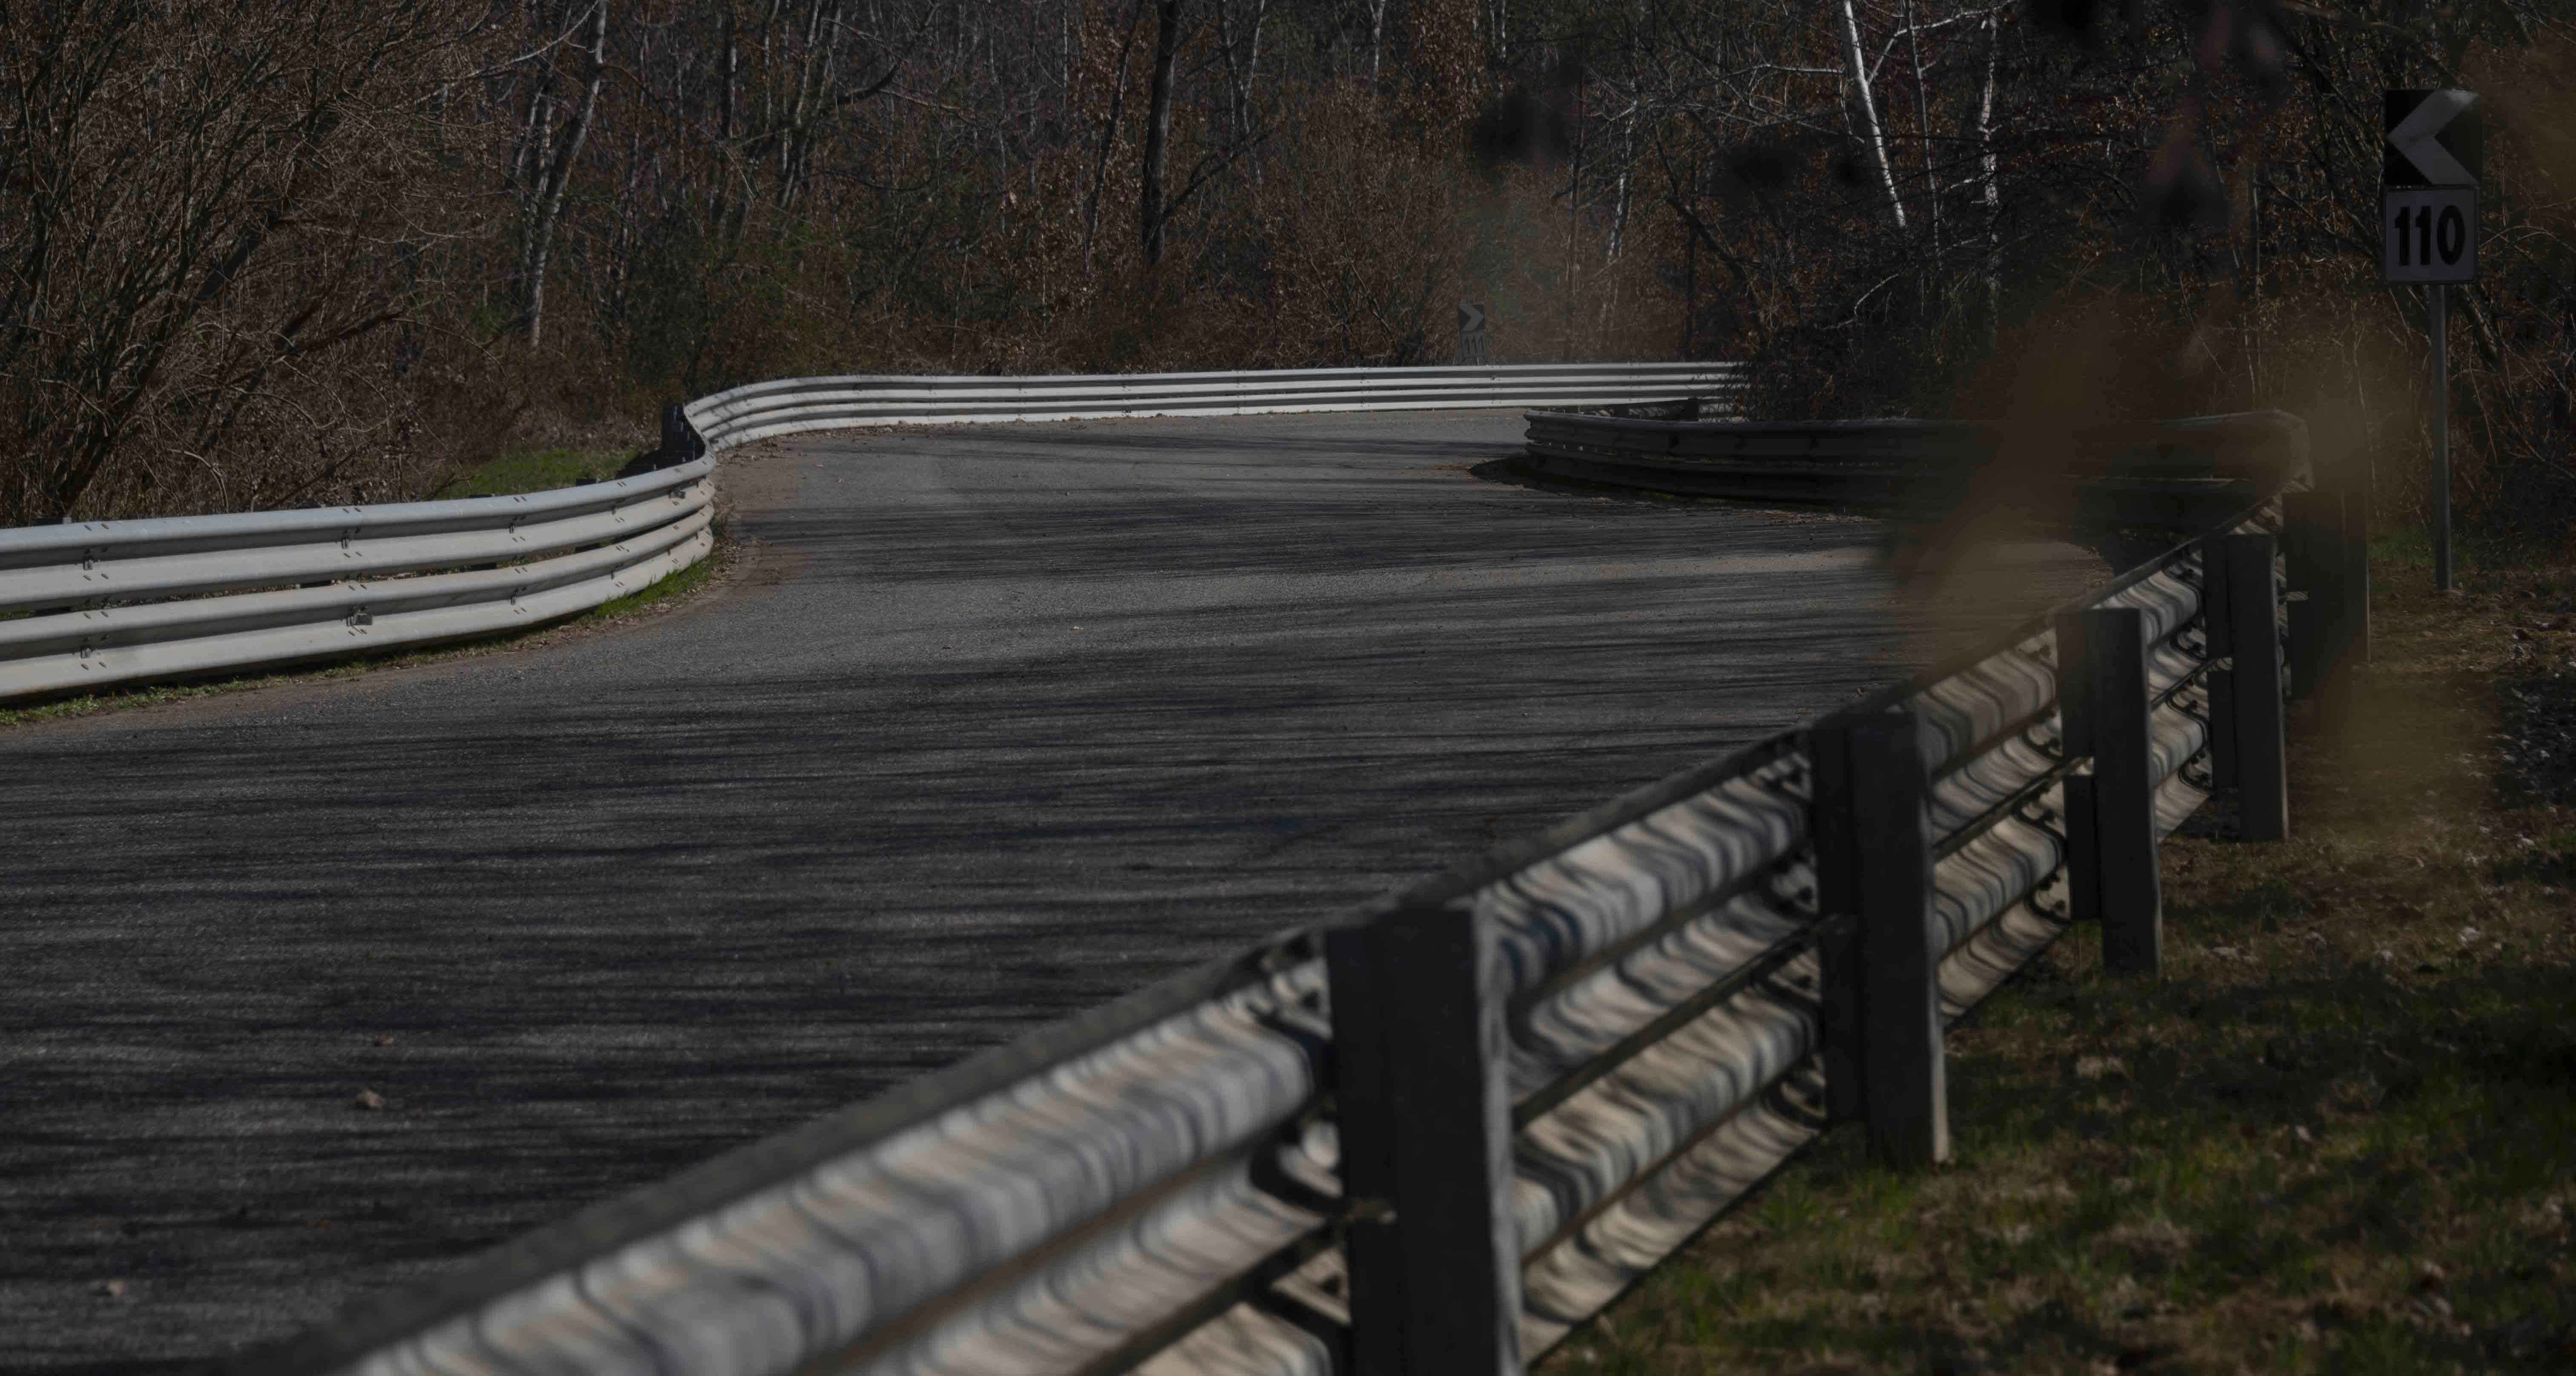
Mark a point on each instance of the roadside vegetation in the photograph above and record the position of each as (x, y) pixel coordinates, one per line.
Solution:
(535, 470)
(2336, 1136)
(347, 253)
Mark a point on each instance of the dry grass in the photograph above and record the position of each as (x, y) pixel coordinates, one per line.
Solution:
(2337, 1136)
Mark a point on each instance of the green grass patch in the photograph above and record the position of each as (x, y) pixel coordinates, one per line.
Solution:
(535, 470)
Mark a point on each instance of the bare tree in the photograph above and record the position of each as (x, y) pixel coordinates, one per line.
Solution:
(552, 130)
(199, 209)
(1153, 209)
(1856, 75)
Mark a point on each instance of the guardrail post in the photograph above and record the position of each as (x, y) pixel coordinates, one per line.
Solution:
(2356, 554)
(2111, 813)
(2335, 575)
(1882, 1016)
(2262, 771)
(679, 442)
(2312, 533)
(2075, 738)
(1426, 1144)
(2222, 682)
(1841, 1018)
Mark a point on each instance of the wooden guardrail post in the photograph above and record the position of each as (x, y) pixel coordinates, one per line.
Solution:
(1426, 1144)
(2111, 813)
(1882, 1015)
(2254, 696)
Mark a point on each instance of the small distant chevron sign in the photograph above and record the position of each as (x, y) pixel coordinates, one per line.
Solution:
(1475, 342)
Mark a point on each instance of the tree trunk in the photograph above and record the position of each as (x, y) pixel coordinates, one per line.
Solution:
(728, 75)
(1690, 288)
(1923, 136)
(1241, 72)
(1867, 108)
(1108, 139)
(546, 198)
(1158, 127)
(819, 67)
(1993, 193)
(1377, 39)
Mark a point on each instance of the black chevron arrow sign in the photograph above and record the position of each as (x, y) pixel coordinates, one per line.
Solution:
(2434, 138)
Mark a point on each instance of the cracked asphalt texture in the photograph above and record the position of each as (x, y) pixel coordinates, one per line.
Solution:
(999, 723)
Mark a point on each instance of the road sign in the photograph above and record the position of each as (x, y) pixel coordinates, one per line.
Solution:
(2434, 138)
(2435, 147)
(1474, 340)
(2428, 234)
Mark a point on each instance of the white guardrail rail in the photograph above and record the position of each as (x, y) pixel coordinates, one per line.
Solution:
(98, 603)
(764, 409)
(1440, 1133)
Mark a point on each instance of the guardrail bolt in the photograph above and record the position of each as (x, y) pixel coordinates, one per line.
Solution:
(2111, 813)
(1425, 1124)
(1882, 1015)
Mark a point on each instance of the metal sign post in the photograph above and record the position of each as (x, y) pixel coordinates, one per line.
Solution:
(2428, 222)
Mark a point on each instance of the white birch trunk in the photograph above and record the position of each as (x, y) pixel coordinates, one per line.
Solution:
(1377, 38)
(546, 204)
(1867, 109)
(1923, 132)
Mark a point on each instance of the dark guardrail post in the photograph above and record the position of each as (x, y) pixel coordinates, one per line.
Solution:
(2356, 554)
(2330, 563)
(2254, 687)
(2111, 815)
(2312, 536)
(680, 442)
(1426, 1144)
(2222, 681)
(1882, 1017)
(2075, 738)
(1843, 1014)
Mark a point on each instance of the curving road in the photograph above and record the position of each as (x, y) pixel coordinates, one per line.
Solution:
(999, 723)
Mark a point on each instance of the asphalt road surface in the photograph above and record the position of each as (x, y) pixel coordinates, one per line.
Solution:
(997, 723)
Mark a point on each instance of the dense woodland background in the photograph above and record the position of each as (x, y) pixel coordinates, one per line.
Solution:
(255, 255)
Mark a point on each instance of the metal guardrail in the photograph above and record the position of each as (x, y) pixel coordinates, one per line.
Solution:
(1605, 1035)
(112, 602)
(87, 605)
(2182, 474)
(764, 409)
